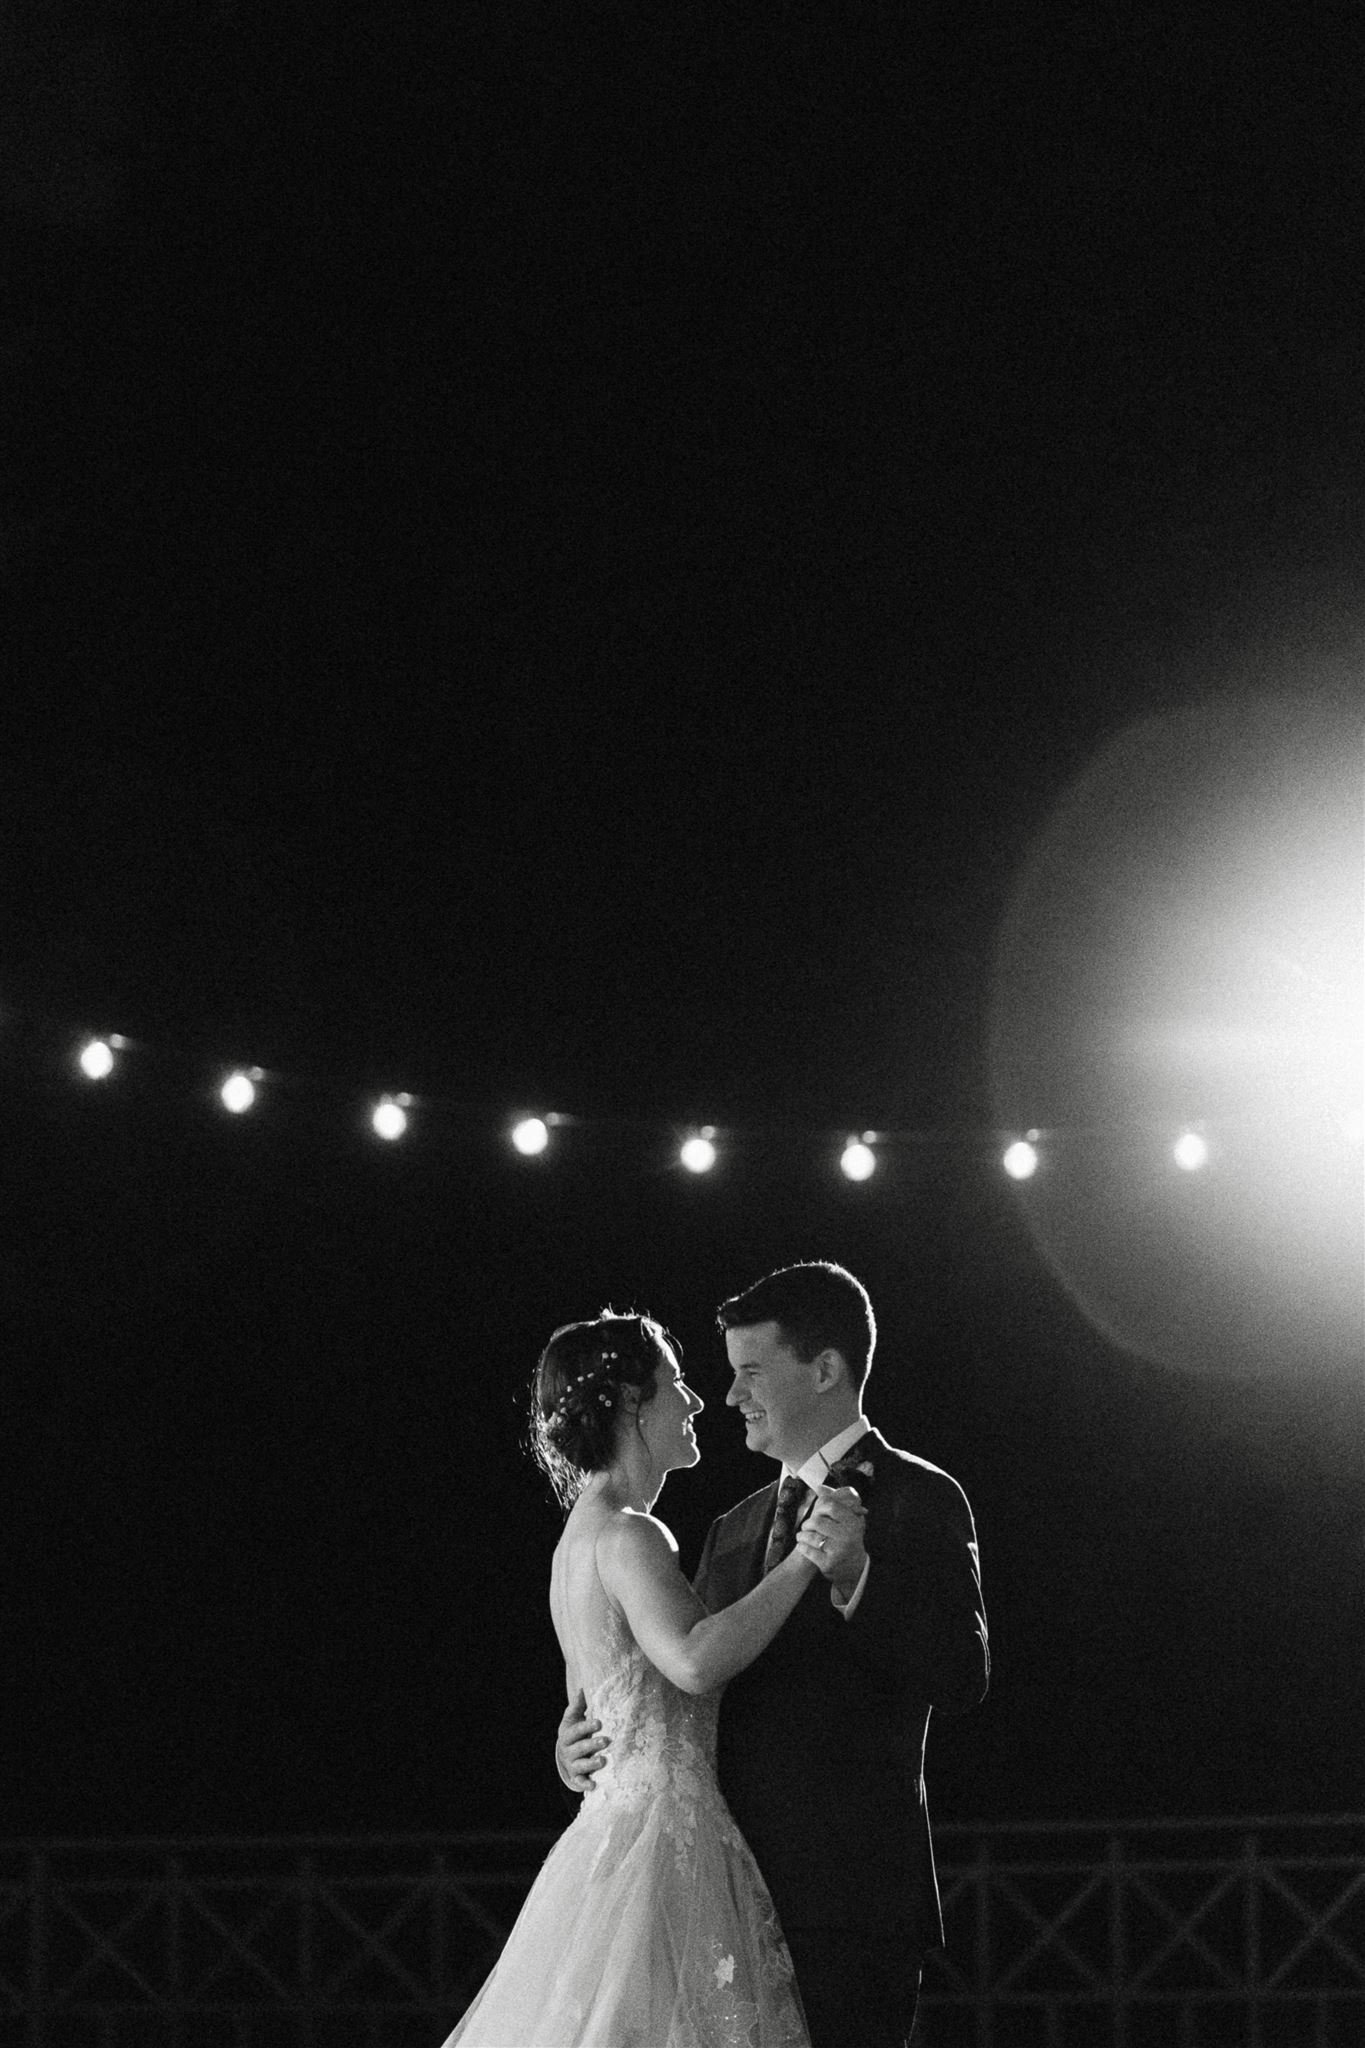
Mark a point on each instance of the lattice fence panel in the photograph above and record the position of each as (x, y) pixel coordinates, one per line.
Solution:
(1203, 1934)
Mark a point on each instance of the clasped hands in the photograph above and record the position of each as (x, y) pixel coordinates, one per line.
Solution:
(832, 1537)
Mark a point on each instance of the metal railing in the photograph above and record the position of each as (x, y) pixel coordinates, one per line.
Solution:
(1154, 1934)
(1180, 1934)
(269, 1942)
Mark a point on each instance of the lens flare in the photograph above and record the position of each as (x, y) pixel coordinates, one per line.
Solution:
(1185, 943)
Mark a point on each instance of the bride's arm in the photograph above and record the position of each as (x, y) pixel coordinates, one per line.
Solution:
(696, 1650)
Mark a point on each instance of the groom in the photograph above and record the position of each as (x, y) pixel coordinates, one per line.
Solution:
(821, 1741)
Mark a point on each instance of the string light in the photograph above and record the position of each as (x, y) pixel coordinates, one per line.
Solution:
(96, 1058)
(390, 1116)
(1190, 1151)
(698, 1153)
(858, 1161)
(238, 1092)
(1020, 1159)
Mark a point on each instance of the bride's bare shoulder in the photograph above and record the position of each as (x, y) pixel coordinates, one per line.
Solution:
(627, 1536)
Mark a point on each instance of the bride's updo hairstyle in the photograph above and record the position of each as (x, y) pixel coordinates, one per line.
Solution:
(577, 1389)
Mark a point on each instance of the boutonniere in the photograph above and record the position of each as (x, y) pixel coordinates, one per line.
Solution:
(854, 1472)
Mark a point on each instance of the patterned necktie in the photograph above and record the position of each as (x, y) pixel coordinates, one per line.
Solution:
(791, 1496)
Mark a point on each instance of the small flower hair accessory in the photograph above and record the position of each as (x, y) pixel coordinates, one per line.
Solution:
(579, 1392)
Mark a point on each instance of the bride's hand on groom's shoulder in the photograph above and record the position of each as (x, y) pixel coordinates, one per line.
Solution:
(580, 1747)
(832, 1536)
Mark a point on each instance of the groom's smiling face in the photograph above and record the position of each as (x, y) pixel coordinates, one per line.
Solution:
(776, 1392)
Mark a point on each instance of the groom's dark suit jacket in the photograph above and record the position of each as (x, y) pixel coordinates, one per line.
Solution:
(821, 1753)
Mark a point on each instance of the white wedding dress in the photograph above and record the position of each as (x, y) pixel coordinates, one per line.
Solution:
(648, 1925)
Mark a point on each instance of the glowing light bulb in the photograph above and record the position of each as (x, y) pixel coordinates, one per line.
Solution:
(1020, 1160)
(858, 1161)
(530, 1136)
(1190, 1152)
(97, 1059)
(389, 1117)
(698, 1153)
(238, 1092)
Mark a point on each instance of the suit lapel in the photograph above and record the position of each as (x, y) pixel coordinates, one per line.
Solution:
(738, 1566)
(866, 1447)
(753, 1536)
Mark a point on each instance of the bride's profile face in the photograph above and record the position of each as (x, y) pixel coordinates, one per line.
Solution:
(666, 1421)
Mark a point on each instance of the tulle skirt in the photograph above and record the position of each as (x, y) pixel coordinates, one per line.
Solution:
(648, 1927)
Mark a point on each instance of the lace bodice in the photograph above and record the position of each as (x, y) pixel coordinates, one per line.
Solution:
(663, 1741)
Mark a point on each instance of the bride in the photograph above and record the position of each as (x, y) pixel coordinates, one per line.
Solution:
(649, 1925)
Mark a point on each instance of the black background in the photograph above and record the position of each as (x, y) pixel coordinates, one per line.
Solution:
(560, 557)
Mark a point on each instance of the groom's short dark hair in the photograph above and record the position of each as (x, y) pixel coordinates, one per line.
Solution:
(817, 1306)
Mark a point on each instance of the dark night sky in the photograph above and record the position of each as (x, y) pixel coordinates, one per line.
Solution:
(562, 556)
